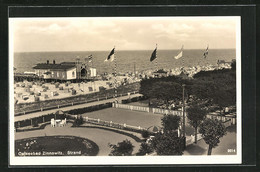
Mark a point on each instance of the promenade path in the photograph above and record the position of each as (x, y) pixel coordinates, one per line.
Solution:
(100, 136)
(228, 142)
(40, 113)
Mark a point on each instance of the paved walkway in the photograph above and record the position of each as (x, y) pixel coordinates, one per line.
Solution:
(100, 136)
(36, 114)
(227, 146)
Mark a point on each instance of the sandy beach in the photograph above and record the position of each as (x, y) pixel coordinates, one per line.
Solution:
(25, 92)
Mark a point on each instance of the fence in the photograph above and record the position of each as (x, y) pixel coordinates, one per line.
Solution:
(111, 124)
(47, 117)
(131, 107)
(167, 111)
(227, 120)
(147, 109)
(72, 103)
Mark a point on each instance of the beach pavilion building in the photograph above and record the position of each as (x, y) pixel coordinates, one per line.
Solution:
(64, 71)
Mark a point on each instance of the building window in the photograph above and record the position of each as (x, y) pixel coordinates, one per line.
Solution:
(63, 74)
(73, 74)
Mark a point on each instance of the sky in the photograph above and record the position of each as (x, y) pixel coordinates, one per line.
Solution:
(125, 33)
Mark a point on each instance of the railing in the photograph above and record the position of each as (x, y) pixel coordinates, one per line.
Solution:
(225, 119)
(131, 107)
(147, 109)
(166, 111)
(72, 103)
(111, 124)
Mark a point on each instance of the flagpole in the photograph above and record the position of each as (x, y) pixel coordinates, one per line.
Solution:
(183, 115)
(92, 59)
(156, 62)
(182, 60)
(115, 75)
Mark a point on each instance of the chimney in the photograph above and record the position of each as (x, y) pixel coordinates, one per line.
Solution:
(47, 61)
(53, 61)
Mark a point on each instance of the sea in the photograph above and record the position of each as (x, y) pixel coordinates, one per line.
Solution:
(126, 61)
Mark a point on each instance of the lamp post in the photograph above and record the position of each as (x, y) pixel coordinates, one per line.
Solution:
(183, 116)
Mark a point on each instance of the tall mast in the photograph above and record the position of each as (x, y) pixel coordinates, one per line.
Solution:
(115, 75)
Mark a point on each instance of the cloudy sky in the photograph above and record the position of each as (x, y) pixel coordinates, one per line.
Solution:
(91, 34)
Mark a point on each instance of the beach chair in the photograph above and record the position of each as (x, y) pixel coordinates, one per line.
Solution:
(53, 123)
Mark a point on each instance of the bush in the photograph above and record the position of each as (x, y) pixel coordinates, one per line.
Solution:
(145, 134)
(46, 96)
(60, 88)
(44, 90)
(29, 86)
(35, 123)
(38, 94)
(31, 93)
(78, 121)
(124, 148)
(46, 87)
(66, 84)
(145, 149)
(17, 85)
(43, 86)
(23, 85)
(90, 109)
(167, 144)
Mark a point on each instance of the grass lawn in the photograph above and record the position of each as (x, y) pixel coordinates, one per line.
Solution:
(135, 118)
(56, 145)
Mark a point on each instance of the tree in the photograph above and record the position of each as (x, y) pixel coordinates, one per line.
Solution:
(145, 134)
(145, 149)
(218, 86)
(196, 115)
(212, 131)
(164, 89)
(233, 65)
(124, 148)
(167, 144)
(170, 123)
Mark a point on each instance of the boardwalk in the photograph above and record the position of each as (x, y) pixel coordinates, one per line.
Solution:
(36, 114)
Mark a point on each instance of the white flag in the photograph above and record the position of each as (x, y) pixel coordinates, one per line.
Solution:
(178, 56)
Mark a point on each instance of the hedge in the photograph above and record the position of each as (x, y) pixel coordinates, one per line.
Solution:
(89, 109)
(39, 119)
(48, 117)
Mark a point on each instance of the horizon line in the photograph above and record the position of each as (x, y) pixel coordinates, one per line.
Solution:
(121, 50)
